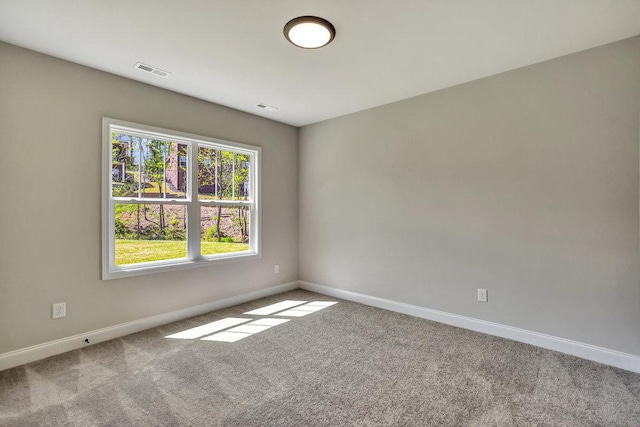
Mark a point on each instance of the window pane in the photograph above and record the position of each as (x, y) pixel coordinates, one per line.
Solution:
(223, 175)
(241, 177)
(163, 169)
(146, 233)
(225, 179)
(208, 169)
(224, 229)
(125, 156)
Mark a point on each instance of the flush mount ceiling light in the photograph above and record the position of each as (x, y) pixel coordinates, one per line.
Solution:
(309, 32)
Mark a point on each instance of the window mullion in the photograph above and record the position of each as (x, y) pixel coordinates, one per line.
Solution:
(149, 201)
(193, 207)
(139, 166)
(226, 203)
(111, 230)
(253, 209)
(215, 190)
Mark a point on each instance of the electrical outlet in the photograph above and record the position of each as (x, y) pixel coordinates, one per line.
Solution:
(276, 268)
(59, 310)
(483, 295)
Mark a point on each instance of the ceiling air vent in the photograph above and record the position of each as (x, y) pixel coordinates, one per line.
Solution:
(266, 107)
(153, 70)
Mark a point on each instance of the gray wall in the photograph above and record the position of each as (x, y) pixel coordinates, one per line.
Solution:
(50, 138)
(524, 183)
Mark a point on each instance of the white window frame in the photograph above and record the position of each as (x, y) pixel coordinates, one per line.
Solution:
(194, 258)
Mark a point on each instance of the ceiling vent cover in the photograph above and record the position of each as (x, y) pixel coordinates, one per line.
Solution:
(153, 70)
(267, 107)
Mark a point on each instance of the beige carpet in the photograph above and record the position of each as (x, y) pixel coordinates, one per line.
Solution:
(345, 364)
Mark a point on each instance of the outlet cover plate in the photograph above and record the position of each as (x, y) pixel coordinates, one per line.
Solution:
(59, 310)
(483, 295)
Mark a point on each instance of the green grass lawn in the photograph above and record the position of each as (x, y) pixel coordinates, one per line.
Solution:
(134, 251)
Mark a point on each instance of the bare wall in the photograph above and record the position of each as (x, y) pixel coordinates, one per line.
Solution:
(524, 183)
(50, 137)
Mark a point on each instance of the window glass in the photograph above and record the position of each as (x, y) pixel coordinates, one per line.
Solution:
(124, 170)
(225, 179)
(208, 170)
(241, 177)
(163, 169)
(149, 232)
(224, 229)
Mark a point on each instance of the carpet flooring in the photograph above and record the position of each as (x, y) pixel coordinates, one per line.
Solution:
(339, 365)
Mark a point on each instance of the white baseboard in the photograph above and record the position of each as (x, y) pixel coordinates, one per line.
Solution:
(603, 355)
(586, 351)
(52, 348)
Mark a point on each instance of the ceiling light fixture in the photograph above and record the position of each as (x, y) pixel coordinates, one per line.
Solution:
(309, 32)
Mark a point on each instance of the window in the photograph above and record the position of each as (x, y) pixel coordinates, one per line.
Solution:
(173, 200)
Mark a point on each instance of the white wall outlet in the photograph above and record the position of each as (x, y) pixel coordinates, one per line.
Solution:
(483, 295)
(276, 268)
(59, 310)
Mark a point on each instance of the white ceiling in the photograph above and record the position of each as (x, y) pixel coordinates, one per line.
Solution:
(232, 52)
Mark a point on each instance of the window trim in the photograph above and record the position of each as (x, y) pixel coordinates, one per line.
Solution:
(110, 270)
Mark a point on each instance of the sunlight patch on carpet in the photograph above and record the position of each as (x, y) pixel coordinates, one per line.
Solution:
(303, 310)
(274, 308)
(209, 328)
(234, 329)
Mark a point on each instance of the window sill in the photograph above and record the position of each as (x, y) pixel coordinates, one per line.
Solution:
(161, 267)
